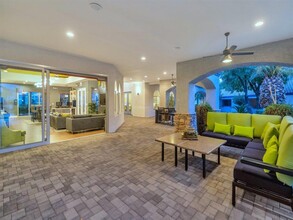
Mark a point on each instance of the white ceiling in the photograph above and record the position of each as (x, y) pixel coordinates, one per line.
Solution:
(125, 30)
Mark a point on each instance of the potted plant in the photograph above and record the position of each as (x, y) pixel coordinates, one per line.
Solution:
(91, 108)
(201, 116)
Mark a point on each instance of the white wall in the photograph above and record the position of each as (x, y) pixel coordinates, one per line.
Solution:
(142, 104)
(137, 90)
(149, 100)
(164, 86)
(62, 61)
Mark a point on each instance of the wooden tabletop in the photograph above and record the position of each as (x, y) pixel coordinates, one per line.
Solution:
(172, 139)
(204, 145)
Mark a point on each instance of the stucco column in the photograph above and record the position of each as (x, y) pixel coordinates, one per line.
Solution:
(182, 97)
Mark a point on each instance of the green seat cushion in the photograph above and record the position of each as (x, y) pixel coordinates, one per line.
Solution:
(259, 122)
(241, 119)
(221, 128)
(286, 121)
(270, 132)
(243, 131)
(214, 117)
(271, 155)
(285, 156)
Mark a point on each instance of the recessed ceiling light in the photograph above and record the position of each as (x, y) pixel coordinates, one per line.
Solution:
(145, 76)
(69, 34)
(259, 23)
(143, 58)
(158, 78)
(165, 73)
(96, 6)
(130, 78)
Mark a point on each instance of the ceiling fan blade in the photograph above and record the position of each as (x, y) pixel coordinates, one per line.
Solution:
(233, 47)
(242, 53)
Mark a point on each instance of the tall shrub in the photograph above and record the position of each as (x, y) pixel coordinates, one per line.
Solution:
(272, 91)
(279, 109)
(201, 116)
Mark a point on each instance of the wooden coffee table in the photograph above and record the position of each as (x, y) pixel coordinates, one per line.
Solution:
(204, 146)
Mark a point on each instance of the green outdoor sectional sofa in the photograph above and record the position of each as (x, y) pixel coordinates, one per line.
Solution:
(266, 164)
(255, 121)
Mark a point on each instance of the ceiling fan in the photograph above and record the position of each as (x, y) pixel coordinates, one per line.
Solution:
(229, 52)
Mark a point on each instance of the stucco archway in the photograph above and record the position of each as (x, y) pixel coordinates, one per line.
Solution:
(192, 71)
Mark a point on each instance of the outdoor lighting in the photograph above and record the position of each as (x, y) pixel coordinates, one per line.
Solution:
(227, 59)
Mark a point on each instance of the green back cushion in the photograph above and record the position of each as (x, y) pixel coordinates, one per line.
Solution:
(214, 117)
(285, 155)
(287, 120)
(259, 122)
(243, 131)
(242, 119)
(270, 132)
(221, 128)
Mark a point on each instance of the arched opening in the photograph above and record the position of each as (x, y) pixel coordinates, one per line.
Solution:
(115, 98)
(119, 100)
(248, 87)
(171, 97)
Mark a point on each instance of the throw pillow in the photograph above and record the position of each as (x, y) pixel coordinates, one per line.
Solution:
(273, 141)
(243, 131)
(265, 130)
(270, 132)
(270, 156)
(285, 155)
(222, 128)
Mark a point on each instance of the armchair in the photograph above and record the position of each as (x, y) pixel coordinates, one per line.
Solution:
(9, 136)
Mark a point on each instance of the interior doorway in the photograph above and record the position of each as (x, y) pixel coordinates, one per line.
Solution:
(77, 106)
(127, 103)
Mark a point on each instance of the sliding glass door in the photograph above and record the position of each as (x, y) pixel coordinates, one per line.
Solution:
(23, 111)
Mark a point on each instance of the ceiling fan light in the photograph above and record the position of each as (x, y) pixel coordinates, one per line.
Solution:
(227, 59)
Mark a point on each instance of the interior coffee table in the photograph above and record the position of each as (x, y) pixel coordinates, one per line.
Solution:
(204, 146)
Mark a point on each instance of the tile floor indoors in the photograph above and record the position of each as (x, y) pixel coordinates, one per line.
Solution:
(121, 176)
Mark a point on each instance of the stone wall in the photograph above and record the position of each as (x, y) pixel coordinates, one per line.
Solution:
(184, 121)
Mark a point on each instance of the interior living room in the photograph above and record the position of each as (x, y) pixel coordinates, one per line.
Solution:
(72, 101)
(146, 109)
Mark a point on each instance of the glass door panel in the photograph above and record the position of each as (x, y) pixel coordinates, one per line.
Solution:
(23, 103)
(21, 118)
